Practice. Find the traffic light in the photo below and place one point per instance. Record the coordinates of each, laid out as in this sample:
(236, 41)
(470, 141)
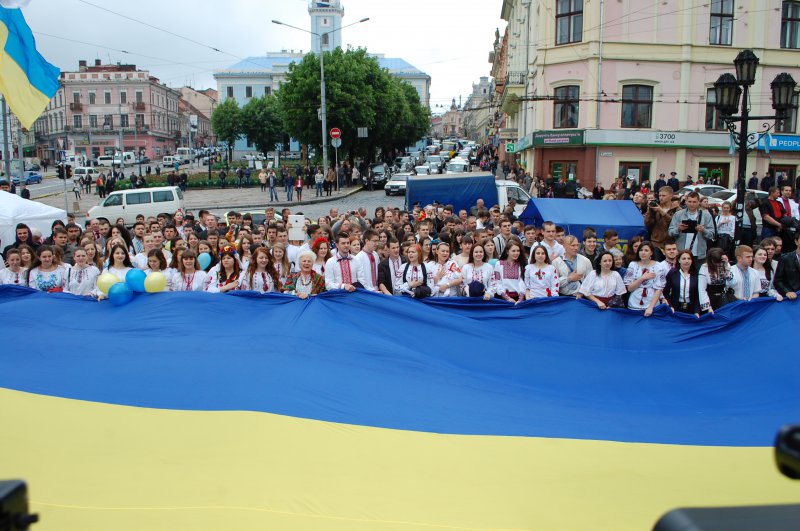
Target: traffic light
(61, 172)
(69, 171)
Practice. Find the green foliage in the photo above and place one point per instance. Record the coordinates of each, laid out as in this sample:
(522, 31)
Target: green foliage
(227, 122)
(359, 94)
(261, 122)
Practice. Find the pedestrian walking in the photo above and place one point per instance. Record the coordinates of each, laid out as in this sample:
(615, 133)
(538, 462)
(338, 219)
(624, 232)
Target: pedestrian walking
(222, 177)
(288, 184)
(330, 179)
(247, 174)
(262, 178)
(76, 188)
(239, 177)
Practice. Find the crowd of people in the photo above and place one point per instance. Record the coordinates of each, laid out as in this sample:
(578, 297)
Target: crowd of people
(428, 252)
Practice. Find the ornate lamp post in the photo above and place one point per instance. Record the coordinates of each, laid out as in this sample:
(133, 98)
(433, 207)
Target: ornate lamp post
(731, 92)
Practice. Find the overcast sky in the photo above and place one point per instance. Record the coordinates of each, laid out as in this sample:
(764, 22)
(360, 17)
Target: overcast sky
(448, 39)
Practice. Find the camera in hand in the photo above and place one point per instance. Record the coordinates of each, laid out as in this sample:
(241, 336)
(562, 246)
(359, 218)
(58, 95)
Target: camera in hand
(653, 203)
(691, 226)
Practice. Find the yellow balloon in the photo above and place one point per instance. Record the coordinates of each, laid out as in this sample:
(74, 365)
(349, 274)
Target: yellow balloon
(106, 280)
(155, 282)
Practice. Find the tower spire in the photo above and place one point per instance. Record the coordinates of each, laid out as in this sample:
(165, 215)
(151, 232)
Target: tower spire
(326, 20)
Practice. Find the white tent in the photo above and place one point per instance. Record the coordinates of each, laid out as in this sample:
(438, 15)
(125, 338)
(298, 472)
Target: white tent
(14, 209)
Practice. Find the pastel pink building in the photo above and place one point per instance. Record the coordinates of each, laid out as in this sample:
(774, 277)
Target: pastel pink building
(602, 89)
(102, 107)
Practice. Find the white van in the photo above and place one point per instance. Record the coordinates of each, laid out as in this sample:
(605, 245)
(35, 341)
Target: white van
(127, 204)
(169, 161)
(82, 171)
(105, 160)
(127, 158)
(184, 154)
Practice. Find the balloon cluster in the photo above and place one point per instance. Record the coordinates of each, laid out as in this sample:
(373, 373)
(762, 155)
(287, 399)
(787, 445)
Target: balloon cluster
(121, 293)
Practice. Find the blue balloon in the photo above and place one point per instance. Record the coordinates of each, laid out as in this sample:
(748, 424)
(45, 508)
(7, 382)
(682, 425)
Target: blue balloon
(135, 280)
(120, 294)
(204, 259)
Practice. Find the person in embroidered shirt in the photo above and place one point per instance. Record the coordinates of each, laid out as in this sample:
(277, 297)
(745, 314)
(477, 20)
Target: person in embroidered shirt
(225, 276)
(509, 273)
(554, 249)
(305, 282)
(368, 260)
(645, 279)
(445, 272)
(746, 283)
(189, 276)
(541, 278)
(477, 274)
(415, 278)
(603, 286)
(261, 275)
(341, 271)
(390, 270)
(572, 268)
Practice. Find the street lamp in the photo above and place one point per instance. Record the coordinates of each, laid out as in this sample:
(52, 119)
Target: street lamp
(731, 92)
(323, 111)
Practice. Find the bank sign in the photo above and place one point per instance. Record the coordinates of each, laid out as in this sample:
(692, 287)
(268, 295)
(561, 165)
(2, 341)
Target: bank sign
(558, 138)
(780, 142)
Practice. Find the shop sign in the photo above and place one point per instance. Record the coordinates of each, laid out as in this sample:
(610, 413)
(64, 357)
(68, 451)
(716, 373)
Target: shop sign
(780, 142)
(556, 138)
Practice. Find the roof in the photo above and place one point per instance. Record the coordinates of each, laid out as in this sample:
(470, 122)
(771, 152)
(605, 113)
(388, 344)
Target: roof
(268, 63)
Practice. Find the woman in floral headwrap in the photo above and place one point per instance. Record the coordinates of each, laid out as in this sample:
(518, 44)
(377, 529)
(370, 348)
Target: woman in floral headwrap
(226, 275)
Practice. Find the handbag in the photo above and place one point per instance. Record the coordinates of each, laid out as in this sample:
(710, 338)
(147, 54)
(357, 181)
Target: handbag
(420, 292)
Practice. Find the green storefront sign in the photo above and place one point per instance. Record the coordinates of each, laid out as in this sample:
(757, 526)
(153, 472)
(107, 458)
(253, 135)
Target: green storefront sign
(568, 137)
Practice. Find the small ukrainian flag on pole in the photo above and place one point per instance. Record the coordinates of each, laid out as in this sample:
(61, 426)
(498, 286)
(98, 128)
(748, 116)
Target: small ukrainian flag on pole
(27, 80)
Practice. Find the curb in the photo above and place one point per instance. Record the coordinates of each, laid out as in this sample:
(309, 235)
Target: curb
(283, 204)
(260, 205)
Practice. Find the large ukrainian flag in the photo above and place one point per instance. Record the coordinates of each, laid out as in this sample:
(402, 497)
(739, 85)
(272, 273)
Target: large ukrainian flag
(195, 411)
(27, 80)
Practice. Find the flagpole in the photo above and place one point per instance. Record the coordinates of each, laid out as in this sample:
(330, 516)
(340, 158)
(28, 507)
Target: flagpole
(6, 154)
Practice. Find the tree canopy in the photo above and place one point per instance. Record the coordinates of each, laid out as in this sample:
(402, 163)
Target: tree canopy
(261, 122)
(359, 93)
(227, 122)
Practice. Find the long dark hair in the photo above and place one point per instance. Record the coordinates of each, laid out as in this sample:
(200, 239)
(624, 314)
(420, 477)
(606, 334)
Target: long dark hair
(520, 261)
(126, 261)
(271, 271)
(597, 267)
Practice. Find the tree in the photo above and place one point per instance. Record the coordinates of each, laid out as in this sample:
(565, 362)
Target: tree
(359, 93)
(227, 123)
(262, 123)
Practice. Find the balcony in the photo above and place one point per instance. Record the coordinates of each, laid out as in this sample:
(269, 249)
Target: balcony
(76, 106)
(138, 106)
(512, 92)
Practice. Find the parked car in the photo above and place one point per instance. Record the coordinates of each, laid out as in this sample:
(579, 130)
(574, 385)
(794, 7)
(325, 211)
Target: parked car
(380, 171)
(33, 167)
(143, 160)
(703, 189)
(422, 170)
(730, 196)
(397, 184)
(30, 177)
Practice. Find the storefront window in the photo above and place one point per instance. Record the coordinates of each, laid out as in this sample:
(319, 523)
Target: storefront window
(640, 171)
(564, 169)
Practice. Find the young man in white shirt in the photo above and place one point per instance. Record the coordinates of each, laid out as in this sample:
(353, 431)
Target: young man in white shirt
(390, 271)
(292, 251)
(554, 249)
(341, 270)
(368, 260)
(572, 268)
(670, 255)
(501, 240)
(746, 283)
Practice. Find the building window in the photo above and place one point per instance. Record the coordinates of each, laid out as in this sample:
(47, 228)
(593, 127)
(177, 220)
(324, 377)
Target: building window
(713, 118)
(789, 125)
(565, 107)
(139, 96)
(639, 171)
(790, 24)
(267, 91)
(248, 92)
(140, 120)
(721, 22)
(569, 21)
(229, 92)
(76, 97)
(77, 121)
(123, 97)
(123, 120)
(92, 120)
(637, 106)
(108, 121)
(107, 97)
(92, 98)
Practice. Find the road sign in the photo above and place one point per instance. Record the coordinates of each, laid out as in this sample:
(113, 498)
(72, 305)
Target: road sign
(336, 132)
(336, 142)
(510, 147)
(362, 132)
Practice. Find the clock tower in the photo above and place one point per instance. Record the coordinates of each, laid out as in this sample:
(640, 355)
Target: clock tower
(326, 17)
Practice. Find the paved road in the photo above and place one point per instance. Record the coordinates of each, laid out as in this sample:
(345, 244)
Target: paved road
(249, 199)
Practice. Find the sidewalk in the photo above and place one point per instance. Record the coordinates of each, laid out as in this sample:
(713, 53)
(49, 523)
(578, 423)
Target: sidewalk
(213, 199)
